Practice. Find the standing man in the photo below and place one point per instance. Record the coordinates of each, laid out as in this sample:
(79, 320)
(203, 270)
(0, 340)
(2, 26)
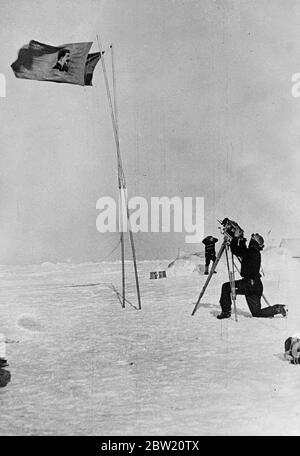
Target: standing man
(210, 251)
(250, 285)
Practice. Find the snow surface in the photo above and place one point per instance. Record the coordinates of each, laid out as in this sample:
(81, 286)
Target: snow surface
(292, 245)
(85, 366)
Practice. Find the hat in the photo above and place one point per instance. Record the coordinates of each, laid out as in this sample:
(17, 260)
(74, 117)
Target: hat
(258, 239)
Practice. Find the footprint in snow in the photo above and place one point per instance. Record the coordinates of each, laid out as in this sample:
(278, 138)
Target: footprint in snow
(30, 324)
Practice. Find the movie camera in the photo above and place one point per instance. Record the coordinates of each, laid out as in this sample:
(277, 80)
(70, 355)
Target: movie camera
(230, 229)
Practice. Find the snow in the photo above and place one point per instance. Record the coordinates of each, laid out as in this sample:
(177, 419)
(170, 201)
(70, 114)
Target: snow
(292, 245)
(85, 366)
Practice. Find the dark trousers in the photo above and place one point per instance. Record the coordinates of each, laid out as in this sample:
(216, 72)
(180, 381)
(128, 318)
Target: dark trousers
(252, 290)
(209, 257)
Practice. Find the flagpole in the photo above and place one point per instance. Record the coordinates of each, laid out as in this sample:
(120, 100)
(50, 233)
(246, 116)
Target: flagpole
(124, 187)
(114, 86)
(122, 184)
(119, 180)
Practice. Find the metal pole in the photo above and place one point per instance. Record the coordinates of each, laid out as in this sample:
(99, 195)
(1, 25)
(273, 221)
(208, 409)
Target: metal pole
(232, 284)
(120, 169)
(209, 276)
(120, 180)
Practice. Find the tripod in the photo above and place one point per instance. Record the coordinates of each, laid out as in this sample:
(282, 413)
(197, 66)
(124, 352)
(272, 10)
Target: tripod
(230, 268)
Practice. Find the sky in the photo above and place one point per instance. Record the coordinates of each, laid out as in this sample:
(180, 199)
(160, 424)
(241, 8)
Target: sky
(205, 108)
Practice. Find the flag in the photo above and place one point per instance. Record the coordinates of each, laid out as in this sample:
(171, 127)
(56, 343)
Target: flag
(70, 63)
(91, 62)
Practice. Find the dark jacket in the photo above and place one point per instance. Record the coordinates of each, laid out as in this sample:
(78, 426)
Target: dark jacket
(250, 258)
(209, 243)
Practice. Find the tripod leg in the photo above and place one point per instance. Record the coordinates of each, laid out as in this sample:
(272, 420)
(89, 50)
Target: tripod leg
(266, 301)
(232, 282)
(209, 276)
(233, 291)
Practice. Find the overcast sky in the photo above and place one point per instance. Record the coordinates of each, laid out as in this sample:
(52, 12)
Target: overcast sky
(205, 109)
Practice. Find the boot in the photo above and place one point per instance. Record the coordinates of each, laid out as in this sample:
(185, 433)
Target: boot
(206, 270)
(280, 309)
(224, 315)
(3, 363)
